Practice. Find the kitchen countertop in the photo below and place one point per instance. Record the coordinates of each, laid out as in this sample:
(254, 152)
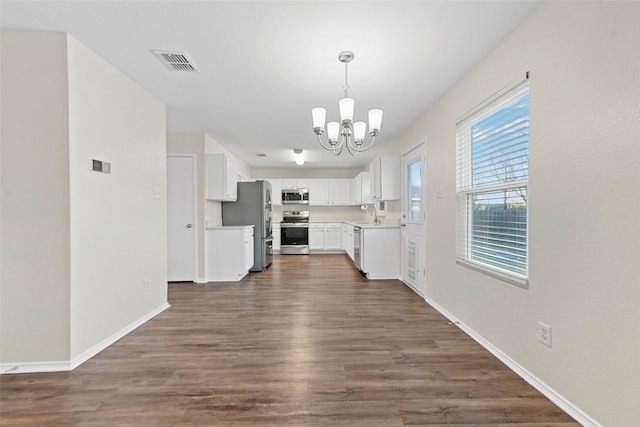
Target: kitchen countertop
(372, 225)
(228, 227)
(362, 224)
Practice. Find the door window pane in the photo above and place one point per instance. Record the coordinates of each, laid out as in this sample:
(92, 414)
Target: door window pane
(414, 192)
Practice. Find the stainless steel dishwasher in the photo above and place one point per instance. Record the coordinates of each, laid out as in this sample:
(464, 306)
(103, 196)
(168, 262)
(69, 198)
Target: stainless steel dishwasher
(357, 247)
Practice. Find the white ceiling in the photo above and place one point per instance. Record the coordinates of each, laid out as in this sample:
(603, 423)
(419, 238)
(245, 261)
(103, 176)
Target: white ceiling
(263, 65)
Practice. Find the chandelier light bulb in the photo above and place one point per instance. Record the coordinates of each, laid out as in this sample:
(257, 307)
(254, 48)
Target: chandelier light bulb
(299, 156)
(319, 115)
(375, 120)
(346, 109)
(346, 133)
(333, 132)
(359, 129)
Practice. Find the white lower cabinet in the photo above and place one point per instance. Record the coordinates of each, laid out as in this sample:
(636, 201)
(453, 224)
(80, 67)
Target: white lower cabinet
(325, 236)
(347, 239)
(316, 236)
(381, 252)
(275, 229)
(332, 236)
(229, 253)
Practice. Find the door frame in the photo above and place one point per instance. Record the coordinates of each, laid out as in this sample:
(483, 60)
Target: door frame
(422, 254)
(194, 180)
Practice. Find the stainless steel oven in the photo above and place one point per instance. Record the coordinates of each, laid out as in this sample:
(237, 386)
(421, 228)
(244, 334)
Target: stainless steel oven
(294, 233)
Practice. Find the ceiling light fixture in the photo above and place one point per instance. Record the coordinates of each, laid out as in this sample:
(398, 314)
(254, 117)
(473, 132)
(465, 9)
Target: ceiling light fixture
(299, 156)
(351, 134)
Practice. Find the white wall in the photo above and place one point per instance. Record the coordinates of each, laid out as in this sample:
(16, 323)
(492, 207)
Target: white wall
(584, 59)
(34, 288)
(76, 244)
(118, 229)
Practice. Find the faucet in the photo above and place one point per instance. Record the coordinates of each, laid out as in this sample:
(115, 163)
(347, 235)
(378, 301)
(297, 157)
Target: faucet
(376, 220)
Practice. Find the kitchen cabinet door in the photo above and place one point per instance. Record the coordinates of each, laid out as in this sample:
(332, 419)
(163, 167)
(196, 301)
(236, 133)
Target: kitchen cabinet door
(222, 178)
(385, 178)
(276, 191)
(318, 191)
(275, 229)
(289, 183)
(333, 237)
(316, 237)
(248, 249)
(340, 192)
(361, 189)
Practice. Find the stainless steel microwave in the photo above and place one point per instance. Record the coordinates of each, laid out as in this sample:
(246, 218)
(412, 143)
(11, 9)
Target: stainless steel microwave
(297, 196)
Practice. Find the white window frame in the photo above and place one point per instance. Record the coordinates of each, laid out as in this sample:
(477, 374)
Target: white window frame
(466, 189)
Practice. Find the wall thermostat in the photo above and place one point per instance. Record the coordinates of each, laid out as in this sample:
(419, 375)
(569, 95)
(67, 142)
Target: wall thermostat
(100, 166)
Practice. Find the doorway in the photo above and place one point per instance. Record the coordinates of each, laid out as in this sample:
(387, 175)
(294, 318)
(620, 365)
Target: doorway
(181, 218)
(414, 219)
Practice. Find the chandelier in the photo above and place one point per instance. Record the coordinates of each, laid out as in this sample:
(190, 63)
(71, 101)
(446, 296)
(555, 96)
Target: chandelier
(346, 133)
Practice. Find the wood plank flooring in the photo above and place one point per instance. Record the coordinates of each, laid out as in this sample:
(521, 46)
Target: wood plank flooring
(309, 342)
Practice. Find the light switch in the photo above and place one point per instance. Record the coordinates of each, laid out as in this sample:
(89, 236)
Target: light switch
(157, 193)
(439, 194)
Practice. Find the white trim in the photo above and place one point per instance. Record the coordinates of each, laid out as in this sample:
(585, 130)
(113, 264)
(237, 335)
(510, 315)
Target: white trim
(564, 404)
(421, 148)
(496, 273)
(33, 367)
(36, 367)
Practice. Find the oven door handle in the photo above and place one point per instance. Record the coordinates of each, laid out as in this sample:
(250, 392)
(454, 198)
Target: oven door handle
(294, 225)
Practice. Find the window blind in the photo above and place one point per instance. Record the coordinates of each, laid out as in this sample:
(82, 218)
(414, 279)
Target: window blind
(492, 170)
(492, 142)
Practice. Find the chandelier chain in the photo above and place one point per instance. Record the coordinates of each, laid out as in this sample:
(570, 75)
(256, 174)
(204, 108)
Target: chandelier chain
(346, 82)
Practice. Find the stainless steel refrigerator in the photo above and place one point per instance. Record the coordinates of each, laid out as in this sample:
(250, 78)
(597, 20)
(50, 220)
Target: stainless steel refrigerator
(253, 207)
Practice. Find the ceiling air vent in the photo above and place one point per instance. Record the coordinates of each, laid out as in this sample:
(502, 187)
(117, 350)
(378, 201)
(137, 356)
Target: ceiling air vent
(175, 61)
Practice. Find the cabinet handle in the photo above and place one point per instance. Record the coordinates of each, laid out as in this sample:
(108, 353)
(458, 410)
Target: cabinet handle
(189, 225)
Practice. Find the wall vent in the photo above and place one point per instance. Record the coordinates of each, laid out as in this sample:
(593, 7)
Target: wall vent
(175, 61)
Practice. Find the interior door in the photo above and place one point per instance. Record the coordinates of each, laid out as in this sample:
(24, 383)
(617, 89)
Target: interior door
(413, 219)
(181, 218)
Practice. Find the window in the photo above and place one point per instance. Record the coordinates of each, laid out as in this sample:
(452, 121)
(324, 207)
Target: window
(492, 175)
(414, 192)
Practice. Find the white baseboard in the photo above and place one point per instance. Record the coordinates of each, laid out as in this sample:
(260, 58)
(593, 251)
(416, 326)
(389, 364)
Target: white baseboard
(35, 367)
(564, 404)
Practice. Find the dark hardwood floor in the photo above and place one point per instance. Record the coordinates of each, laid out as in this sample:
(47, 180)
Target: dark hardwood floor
(307, 343)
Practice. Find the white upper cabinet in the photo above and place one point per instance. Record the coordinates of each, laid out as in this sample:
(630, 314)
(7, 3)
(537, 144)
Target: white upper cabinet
(222, 178)
(318, 191)
(361, 189)
(288, 183)
(276, 191)
(385, 178)
(328, 192)
(340, 192)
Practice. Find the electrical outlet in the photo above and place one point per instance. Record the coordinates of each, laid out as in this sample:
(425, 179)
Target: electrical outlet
(146, 285)
(544, 334)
